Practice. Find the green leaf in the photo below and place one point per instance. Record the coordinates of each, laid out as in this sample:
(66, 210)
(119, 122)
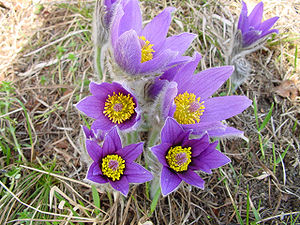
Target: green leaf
(96, 198)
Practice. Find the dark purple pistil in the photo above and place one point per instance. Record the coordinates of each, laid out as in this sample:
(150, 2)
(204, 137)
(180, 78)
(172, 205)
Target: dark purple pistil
(113, 164)
(118, 107)
(181, 158)
(194, 106)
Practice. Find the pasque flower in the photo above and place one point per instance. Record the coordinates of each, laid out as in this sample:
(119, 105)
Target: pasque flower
(141, 51)
(187, 99)
(181, 157)
(115, 164)
(252, 27)
(109, 8)
(110, 104)
(94, 135)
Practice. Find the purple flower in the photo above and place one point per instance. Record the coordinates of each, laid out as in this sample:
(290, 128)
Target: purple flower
(109, 10)
(251, 26)
(140, 51)
(94, 135)
(181, 156)
(114, 164)
(187, 99)
(109, 4)
(110, 105)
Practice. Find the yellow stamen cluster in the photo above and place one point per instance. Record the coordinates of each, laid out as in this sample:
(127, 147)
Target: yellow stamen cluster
(146, 49)
(119, 107)
(188, 108)
(113, 166)
(179, 158)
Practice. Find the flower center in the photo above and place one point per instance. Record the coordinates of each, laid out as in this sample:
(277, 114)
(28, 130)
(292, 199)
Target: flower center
(113, 166)
(179, 158)
(188, 108)
(119, 107)
(146, 49)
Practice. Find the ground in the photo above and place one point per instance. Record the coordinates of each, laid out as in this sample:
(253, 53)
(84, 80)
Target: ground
(46, 65)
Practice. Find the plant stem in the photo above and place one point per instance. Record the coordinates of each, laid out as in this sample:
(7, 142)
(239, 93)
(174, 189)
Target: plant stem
(98, 62)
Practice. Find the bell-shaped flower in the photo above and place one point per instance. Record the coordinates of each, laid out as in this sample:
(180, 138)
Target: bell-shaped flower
(181, 157)
(115, 164)
(252, 27)
(145, 50)
(109, 11)
(110, 104)
(187, 99)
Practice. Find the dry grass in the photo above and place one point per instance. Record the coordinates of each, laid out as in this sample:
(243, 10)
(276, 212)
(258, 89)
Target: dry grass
(48, 58)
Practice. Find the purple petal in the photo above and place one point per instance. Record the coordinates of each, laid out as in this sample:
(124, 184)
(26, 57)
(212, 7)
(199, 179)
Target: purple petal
(188, 69)
(128, 52)
(131, 152)
(109, 4)
(268, 32)
(156, 31)
(97, 170)
(172, 132)
(135, 173)
(94, 150)
(170, 73)
(179, 43)
(160, 151)
(192, 178)
(101, 91)
(169, 95)
(243, 20)
(255, 16)
(112, 142)
(114, 31)
(169, 181)
(133, 120)
(157, 87)
(158, 63)
(205, 83)
(102, 123)
(226, 133)
(197, 145)
(98, 179)
(250, 37)
(91, 106)
(132, 18)
(209, 159)
(200, 128)
(179, 59)
(87, 132)
(121, 185)
(266, 25)
(221, 108)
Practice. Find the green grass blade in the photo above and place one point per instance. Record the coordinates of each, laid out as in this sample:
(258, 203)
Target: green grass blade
(248, 205)
(261, 145)
(154, 201)
(266, 120)
(256, 214)
(255, 112)
(274, 159)
(283, 155)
